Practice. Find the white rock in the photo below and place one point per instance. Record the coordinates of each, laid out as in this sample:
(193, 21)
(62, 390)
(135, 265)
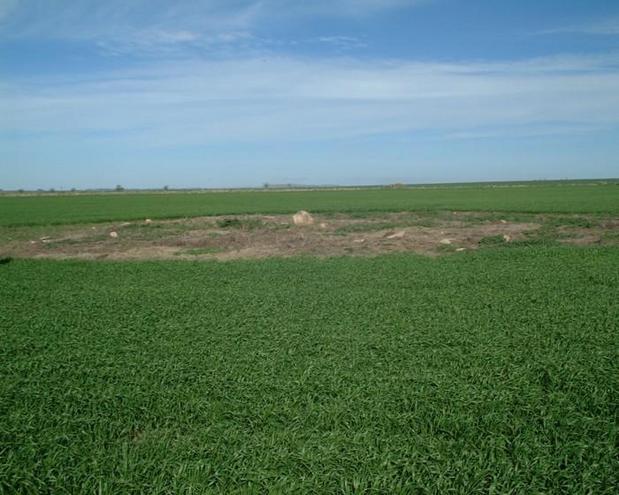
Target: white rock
(323, 225)
(503, 221)
(358, 241)
(396, 235)
(507, 238)
(302, 218)
(446, 242)
(114, 235)
(148, 220)
(459, 250)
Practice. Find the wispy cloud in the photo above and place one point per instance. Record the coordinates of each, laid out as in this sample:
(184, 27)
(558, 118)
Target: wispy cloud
(136, 27)
(162, 27)
(342, 42)
(248, 94)
(94, 19)
(179, 44)
(287, 99)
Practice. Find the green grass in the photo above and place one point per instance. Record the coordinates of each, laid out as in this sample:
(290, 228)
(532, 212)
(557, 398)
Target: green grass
(362, 227)
(240, 223)
(63, 209)
(487, 372)
(199, 251)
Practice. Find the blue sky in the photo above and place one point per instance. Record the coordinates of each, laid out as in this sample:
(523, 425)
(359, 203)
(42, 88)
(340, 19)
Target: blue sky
(218, 93)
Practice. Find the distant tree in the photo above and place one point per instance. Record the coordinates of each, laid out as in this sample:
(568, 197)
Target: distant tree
(73, 189)
(20, 190)
(51, 189)
(265, 185)
(119, 188)
(166, 188)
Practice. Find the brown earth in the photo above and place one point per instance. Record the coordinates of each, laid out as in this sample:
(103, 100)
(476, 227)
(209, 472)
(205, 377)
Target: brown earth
(261, 236)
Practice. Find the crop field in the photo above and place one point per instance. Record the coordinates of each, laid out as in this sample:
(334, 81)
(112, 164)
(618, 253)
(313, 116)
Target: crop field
(552, 198)
(415, 340)
(487, 372)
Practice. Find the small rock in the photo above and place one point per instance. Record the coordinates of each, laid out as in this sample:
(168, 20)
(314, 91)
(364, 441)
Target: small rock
(459, 250)
(396, 235)
(302, 218)
(446, 242)
(507, 238)
(114, 235)
(45, 238)
(503, 221)
(125, 224)
(33, 242)
(148, 220)
(323, 225)
(359, 241)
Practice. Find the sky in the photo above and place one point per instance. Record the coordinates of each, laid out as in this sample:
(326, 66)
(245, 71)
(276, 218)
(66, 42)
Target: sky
(238, 93)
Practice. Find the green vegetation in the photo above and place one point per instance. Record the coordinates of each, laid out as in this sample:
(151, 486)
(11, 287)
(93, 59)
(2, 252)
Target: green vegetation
(536, 238)
(240, 223)
(63, 209)
(477, 372)
(198, 251)
(493, 241)
(367, 227)
(487, 372)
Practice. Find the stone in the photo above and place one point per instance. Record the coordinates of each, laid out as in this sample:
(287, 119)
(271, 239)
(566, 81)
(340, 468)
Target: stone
(302, 218)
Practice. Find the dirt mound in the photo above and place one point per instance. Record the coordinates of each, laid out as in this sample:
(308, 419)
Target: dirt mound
(261, 236)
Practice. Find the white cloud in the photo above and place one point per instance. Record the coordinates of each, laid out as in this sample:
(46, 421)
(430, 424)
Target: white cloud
(117, 19)
(341, 42)
(167, 28)
(175, 29)
(129, 21)
(285, 99)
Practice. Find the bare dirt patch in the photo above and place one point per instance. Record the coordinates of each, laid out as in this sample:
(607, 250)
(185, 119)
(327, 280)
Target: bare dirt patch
(261, 236)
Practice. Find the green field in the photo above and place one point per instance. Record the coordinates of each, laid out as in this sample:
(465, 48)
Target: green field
(487, 372)
(535, 197)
